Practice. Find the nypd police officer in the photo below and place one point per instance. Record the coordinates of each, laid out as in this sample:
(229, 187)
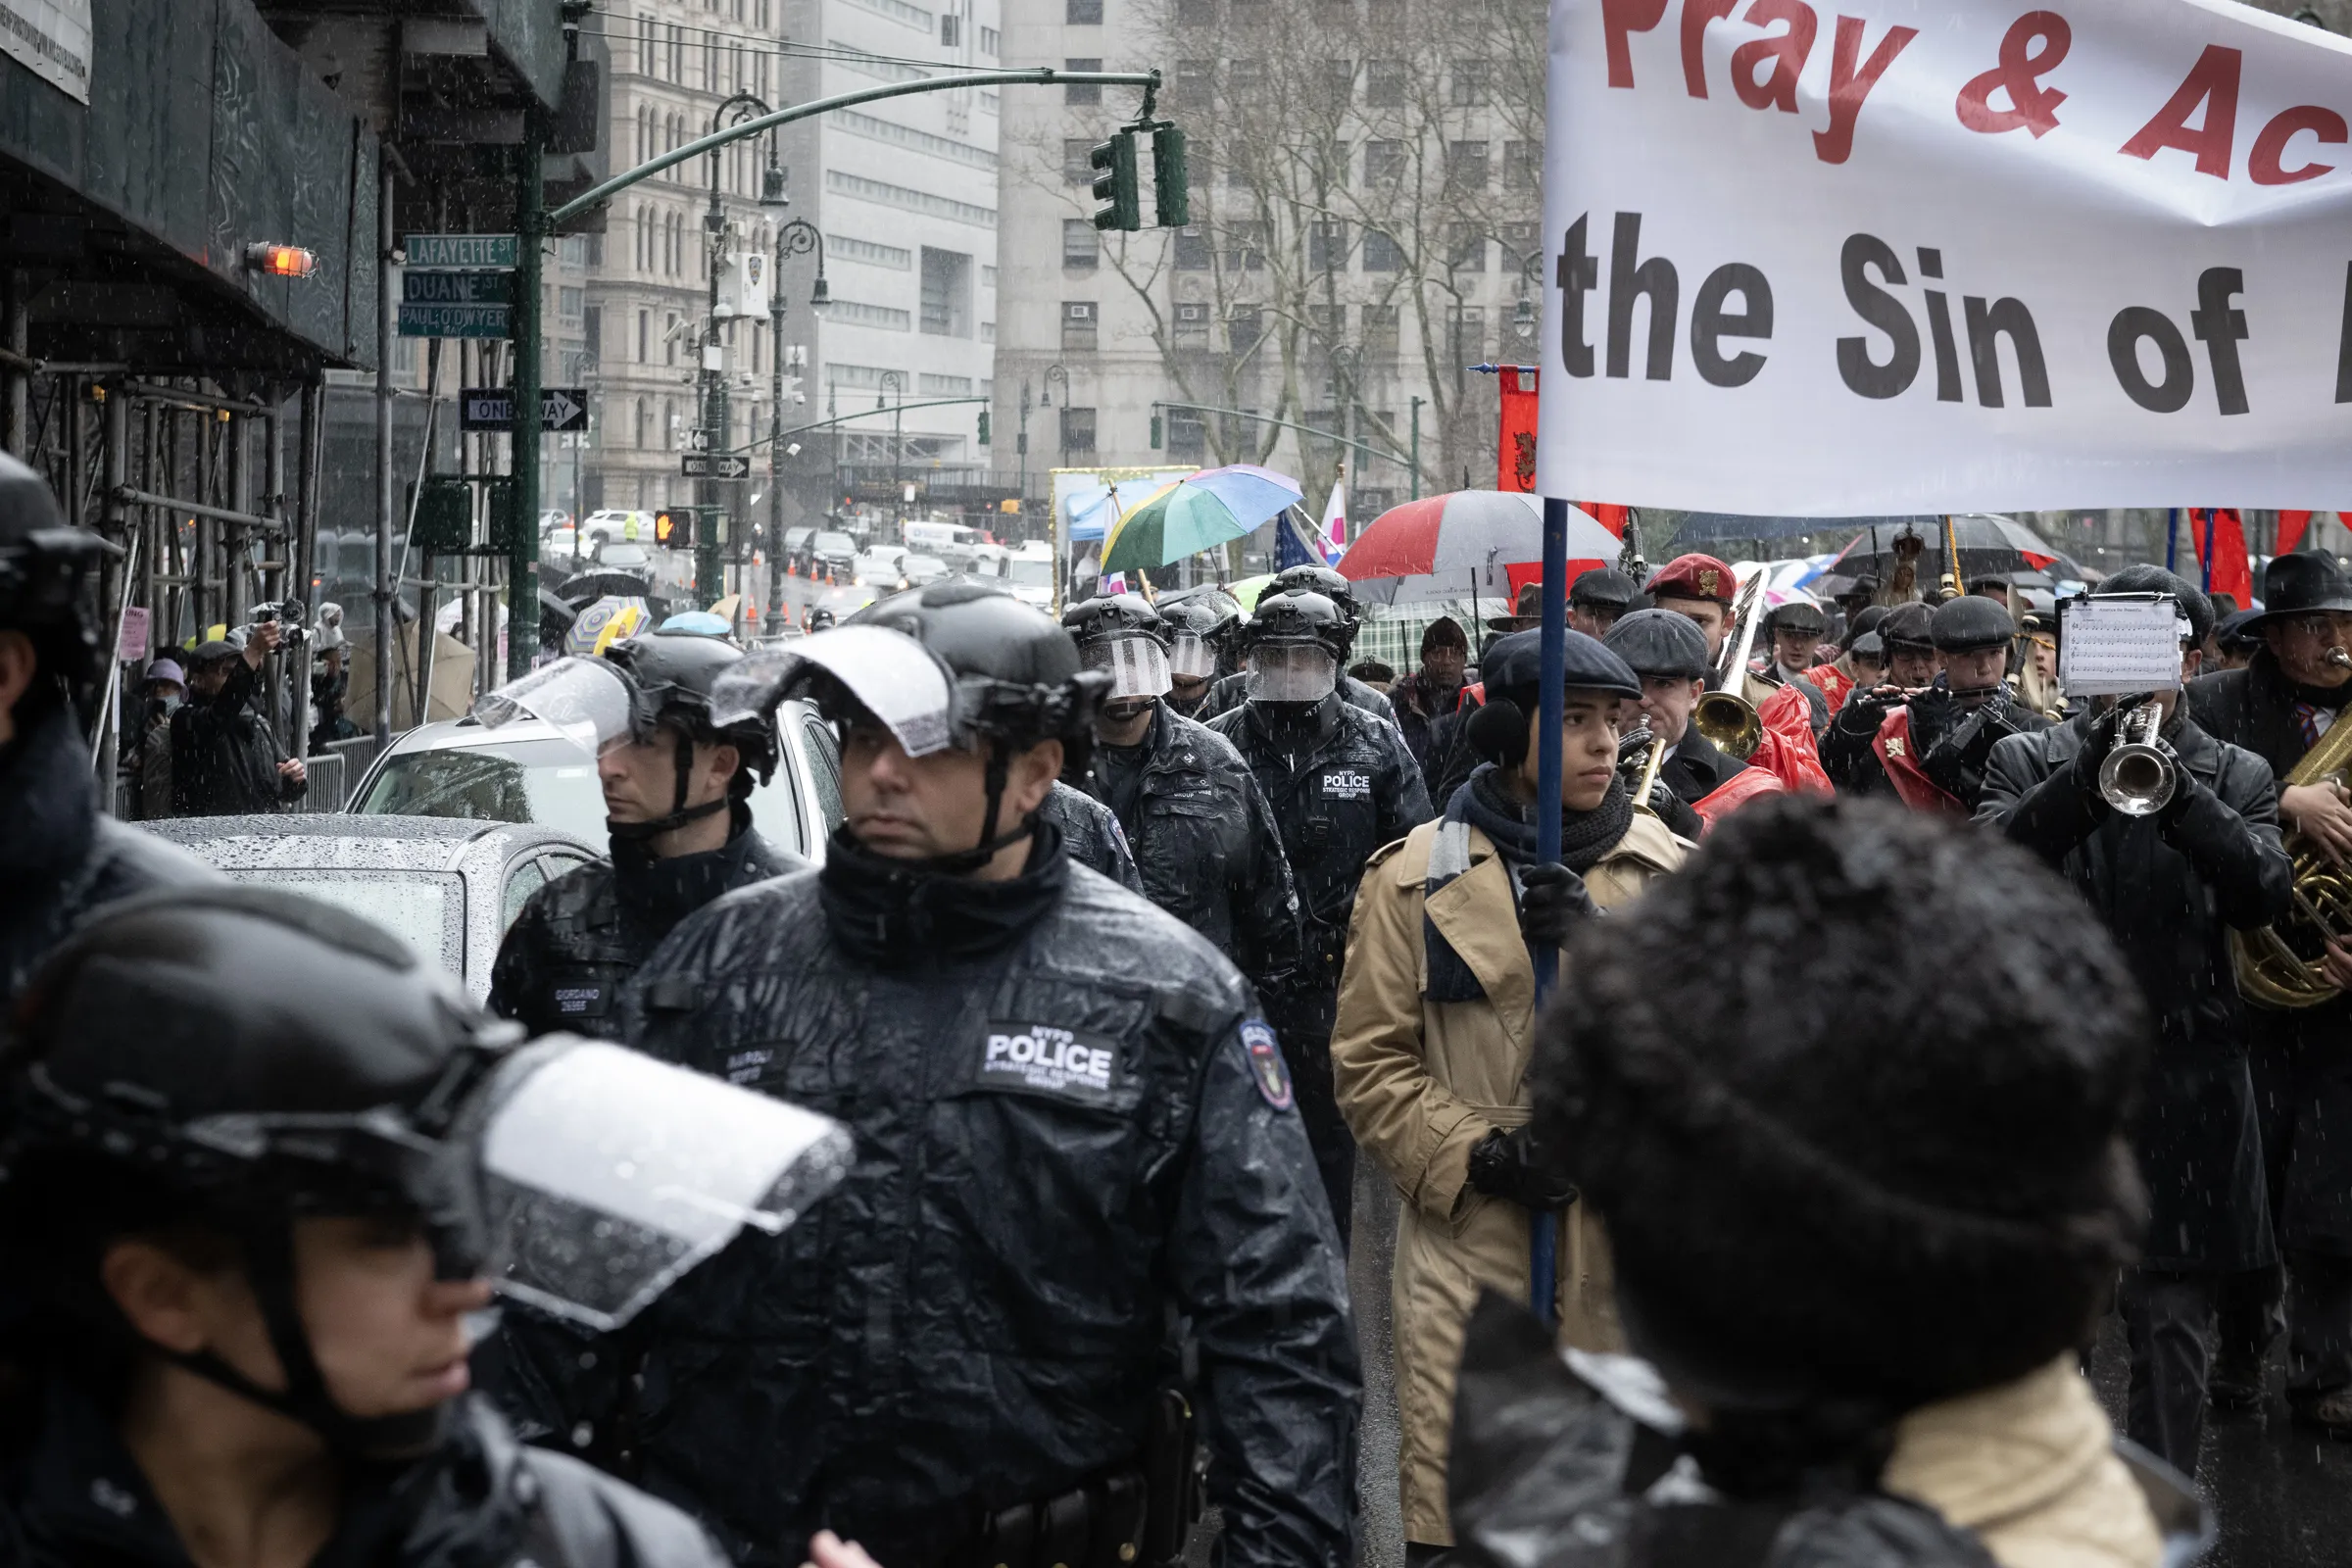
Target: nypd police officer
(59, 856)
(1342, 784)
(676, 789)
(1072, 1128)
(1234, 690)
(1205, 840)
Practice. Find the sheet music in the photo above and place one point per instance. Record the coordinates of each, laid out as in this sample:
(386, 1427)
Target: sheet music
(2118, 645)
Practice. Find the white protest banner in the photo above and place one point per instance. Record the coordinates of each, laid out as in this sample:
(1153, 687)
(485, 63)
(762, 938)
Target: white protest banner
(1894, 255)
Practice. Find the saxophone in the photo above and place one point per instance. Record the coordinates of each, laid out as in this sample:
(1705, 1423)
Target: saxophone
(2278, 966)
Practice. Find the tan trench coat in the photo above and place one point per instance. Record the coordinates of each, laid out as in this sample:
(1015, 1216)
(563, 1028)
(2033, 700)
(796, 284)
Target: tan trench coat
(1421, 1083)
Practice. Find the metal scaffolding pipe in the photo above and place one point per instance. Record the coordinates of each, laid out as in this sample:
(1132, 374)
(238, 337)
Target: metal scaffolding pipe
(197, 509)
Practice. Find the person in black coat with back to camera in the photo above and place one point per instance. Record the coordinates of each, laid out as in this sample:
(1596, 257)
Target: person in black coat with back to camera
(2171, 884)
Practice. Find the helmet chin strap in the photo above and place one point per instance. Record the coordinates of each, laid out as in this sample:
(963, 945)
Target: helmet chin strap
(680, 814)
(964, 862)
(269, 1267)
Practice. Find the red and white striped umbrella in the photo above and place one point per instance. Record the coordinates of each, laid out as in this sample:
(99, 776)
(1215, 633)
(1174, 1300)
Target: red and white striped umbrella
(1468, 544)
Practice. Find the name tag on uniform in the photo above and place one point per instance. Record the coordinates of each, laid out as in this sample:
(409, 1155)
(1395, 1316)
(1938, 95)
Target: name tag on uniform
(1042, 1060)
(1347, 784)
(580, 1001)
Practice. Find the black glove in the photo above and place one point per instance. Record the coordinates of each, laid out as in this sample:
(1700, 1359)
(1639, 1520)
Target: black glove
(1956, 762)
(1671, 810)
(1865, 711)
(1512, 1166)
(1633, 758)
(1552, 899)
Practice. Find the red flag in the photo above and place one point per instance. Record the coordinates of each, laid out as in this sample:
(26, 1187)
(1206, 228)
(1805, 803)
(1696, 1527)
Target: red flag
(1515, 461)
(2290, 531)
(2227, 572)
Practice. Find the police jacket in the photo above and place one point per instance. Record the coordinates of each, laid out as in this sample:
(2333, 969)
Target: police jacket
(74, 1499)
(1697, 769)
(224, 755)
(2169, 888)
(1229, 692)
(579, 937)
(1090, 835)
(60, 858)
(1070, 1126)
(1208, 850)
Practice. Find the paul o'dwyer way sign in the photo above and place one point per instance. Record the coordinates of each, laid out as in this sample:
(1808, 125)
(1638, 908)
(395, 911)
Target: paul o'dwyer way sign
(1898, 256)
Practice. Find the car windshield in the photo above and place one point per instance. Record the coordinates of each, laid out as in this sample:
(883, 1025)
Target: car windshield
(624, 555)
(910, 565)
(546, 781)
(835, 544)
(427, 910)
(1030, 573)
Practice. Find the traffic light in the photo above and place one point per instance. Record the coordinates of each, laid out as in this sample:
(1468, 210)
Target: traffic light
(674, 530)
(1156, 429)
(1114, 183)
(984, 427)
(1171, 183)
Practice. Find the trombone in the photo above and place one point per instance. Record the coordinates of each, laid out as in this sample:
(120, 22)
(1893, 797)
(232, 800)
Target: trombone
(1728, 719)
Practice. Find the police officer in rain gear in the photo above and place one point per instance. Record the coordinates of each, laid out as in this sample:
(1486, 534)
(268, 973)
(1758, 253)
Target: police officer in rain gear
(1073, 1126)
(59, 856)
(1205, 840)
(1199, 627)
(1234, 690)
(1342, 784)
(251, 1232)
(677, 787)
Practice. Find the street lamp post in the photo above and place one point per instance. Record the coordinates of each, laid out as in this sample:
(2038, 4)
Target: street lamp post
(796, 238)
(1057, 371)
(1021, 444)
(894, 381)
(707, 582)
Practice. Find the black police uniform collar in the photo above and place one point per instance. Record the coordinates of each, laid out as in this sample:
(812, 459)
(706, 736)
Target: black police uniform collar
(660, 891)
(48, 811)
(904, 915)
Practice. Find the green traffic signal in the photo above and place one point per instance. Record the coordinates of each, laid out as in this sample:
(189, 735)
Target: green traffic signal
(1156, 431)
(1171, 183)
(1115, 184)
(984, 427)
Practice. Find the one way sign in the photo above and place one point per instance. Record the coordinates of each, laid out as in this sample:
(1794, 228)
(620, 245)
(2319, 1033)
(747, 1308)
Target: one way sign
(492, 407)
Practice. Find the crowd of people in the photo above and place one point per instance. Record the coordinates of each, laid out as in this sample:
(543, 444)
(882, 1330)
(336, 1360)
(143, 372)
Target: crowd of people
(982, 1197)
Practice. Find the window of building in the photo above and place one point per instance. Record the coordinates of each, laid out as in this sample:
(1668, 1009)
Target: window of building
(644, 133)
(1195, 13)
(1081, 245)
(646, 62)
(1338, 79)
(947, 293)
(645, 337)
(1380, 329)
(1192, 324)
(992, 42)
(1074, 166)
(1245, 246)
(645, 239)
(569, 302)
(1247, 79)
(1245, 325)
(1466, 165)
(1077, 425)
(1192, 249)
(1079, 319)
(1470, 83)
(1082, 93)
(1083, 13)
(1188, 436)
(1327, 245)
(1521, 165)
(1466, 333)
(1381, 253)
(644, 425)
(1329, 323)
(1384, 83)
(1384, 163)
(670, 339)
(1519, 246)
(677, 53)
(1195, 163)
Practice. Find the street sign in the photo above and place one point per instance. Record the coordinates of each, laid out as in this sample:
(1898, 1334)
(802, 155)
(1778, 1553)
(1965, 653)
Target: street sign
(463, 250)
(715, 465)
(419, 287)
(454, 320)
(492, 407)
(698, 439)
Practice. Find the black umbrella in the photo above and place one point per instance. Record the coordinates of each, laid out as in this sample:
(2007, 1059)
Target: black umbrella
(1989, 545)
(587, 587)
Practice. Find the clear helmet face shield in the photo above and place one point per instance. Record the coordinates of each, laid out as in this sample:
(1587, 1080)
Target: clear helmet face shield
(1137, 665)
(890, 674)
(607, 1174)
(586, 700)
(1191, 657)
(1291, 672)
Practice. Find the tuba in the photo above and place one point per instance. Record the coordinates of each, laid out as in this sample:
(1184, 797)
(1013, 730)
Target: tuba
(2278, 966)
(1726, 719)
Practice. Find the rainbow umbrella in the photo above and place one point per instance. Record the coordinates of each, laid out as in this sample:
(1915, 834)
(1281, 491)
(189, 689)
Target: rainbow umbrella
(1195, 513)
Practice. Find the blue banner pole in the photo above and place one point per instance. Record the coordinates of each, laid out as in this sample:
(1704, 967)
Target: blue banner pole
(2171, 537)
(1544, 1261)
(2209, 512)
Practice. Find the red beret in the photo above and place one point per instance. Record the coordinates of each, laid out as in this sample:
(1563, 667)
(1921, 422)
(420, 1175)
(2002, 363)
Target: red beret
(1694, 576)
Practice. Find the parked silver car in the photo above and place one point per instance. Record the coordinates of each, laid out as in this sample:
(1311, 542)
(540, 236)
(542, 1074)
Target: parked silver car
(448, 888)
(525, 771)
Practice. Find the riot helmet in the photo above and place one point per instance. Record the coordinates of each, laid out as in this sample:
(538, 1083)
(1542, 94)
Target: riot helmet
(821, 620)
(1331, 586)
(1123, 636)
(162, 1076)
(1292, 648)
(629, 692)
(1196, 630)
(47, 576)
(946, 665)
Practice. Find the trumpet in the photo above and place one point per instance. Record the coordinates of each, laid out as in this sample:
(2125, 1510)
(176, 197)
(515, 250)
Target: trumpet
(2139, 775)
(1639, 787)
(2338, 657)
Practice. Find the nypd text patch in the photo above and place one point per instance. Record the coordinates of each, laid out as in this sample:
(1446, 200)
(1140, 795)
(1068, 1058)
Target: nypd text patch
(1044, 1059)
(1347, 784)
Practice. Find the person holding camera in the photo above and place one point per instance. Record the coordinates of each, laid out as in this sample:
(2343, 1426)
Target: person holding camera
(225, 758)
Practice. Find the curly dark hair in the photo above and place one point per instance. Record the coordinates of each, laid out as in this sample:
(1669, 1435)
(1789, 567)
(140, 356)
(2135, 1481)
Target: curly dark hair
(1851, 1093)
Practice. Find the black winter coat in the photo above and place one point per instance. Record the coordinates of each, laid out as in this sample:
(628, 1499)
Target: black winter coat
(1207, 851)
(2253, 708)
(580, 938)
(60, 857)
(1420, 708)
(2169, 888)
(74, 1498)
(1340, 785)
(1697, 769)
(979, 1315)
(224, 755)
(1092, 834)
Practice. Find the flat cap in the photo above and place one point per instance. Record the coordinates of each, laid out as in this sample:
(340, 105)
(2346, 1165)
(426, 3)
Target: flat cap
(1972, 621)
(1694, 576)
(206, 653)
(1659, 642)
(1799, 614)
(1866, 619)
(1604, 586)
(1870, 645)
(1516, 664)
(1908, 628)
